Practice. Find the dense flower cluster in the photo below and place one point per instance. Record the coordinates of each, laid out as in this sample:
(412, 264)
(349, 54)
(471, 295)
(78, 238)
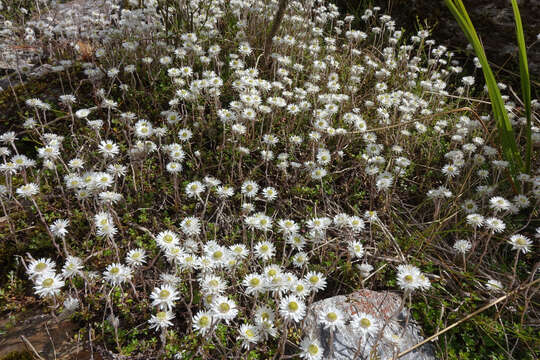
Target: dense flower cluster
(254, 170)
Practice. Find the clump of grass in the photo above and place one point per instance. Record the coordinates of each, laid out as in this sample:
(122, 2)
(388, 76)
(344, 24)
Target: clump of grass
(507, 138)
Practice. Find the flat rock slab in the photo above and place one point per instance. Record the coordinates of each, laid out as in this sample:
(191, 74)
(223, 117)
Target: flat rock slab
(347, 343)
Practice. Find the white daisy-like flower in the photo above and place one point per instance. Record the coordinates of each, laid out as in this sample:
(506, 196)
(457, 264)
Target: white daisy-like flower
(28, 190)
(194, 189)
(356, 224)
(224, 308)
(495, 225)
(76, 164)
(254, 284)
(174, 254)
(365, 323)
(239, 251)
(72, 267)
(297, 241)
(316, 280)
(521, 201)
(174, 167)
(265, 250)
(371, 216)
(185, 134)
(108, 149)
(462, 246)
(202, 322)
(48, 285)
(475, 220)
(161, 320)
(331, 318)
(498, 203)
(164, 297)
(520, 243)
(191, 226)
(59, 227)
(167, 239)
(71, 304)
(311, 349)
(225, 191)
(102, 180)
(300, 288)
(82, 113)
(292, 308)
(269, 193)
(117, 274)
(300, 259)
(41, 267)
(249, 334)
(249, 188)
(365, 269)
(469, 206)
(356, 249)
(136, 257)
(318, 173)
(213, 284)
(408, 277)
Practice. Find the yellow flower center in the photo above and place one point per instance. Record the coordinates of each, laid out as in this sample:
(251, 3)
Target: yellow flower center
(224, 307)
(47, 282)
(293, 306)
(313, 349)
(332, 316)
(204, 321)
(365, 322)
(162, 315)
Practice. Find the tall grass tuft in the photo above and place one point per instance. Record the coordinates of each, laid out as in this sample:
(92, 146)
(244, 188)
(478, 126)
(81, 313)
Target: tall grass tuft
(507, 137)
(525, 83)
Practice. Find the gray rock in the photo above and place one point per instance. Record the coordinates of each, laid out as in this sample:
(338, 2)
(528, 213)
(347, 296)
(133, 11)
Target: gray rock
(349, 344)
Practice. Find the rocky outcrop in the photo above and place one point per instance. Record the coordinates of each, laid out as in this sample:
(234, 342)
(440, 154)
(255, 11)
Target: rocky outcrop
(397, 331)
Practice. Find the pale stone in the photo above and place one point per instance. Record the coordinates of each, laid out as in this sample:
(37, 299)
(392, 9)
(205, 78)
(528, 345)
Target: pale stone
(349, 344)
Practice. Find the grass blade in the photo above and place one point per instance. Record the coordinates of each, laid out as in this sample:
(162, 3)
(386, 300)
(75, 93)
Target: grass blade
(525, 82)
(506, 133)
